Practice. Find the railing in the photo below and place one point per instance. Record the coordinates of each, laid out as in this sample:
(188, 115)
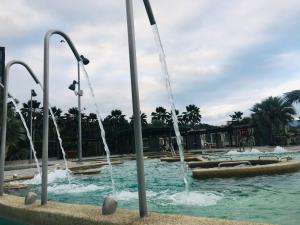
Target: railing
(286, 157)
(219, 156)
(234, 163)
(269, 156)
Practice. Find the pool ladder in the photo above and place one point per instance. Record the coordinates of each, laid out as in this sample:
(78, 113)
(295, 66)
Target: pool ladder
(234, 163)
(275, 156)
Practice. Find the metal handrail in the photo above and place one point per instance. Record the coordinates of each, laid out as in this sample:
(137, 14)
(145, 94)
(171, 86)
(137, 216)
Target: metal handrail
(234, 163)
(286, 157)
(221, 156)
(268, 156)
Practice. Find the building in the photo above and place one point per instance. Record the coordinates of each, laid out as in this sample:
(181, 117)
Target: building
(162, 139)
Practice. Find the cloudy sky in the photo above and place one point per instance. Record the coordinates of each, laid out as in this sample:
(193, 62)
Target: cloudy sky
(223, 56)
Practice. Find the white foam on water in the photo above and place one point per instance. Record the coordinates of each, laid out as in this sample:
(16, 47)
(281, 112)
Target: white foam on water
(57, 175)
(73, 188)
(246, 152)
(253, 151)
(279, 149)
(233, 152)
(126, 196)
(130, 196)
(192, 198)
(52, 177)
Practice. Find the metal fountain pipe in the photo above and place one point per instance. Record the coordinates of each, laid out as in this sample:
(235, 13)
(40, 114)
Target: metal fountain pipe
(149, 12)
(79, 115)
(4, 115)
(1, 85)
(136, 111)
(46, 106)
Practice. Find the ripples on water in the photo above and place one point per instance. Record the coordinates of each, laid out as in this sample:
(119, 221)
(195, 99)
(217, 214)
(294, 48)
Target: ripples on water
(272, 199)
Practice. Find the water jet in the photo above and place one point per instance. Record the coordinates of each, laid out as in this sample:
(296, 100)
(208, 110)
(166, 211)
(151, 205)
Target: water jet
(4, 118)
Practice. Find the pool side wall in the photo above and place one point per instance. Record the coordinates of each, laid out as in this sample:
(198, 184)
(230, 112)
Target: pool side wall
(12, 207)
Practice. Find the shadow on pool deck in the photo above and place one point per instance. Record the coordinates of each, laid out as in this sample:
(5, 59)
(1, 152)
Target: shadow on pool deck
(72, 214)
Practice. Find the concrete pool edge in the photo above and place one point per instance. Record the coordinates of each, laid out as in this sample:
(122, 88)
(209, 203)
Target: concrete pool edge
(13, 207)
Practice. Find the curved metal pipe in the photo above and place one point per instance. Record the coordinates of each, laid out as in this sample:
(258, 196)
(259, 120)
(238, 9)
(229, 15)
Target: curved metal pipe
(1, 85)
(4, 115)
(46, 106)
(66, 37)
(12, 62)
(149, 12)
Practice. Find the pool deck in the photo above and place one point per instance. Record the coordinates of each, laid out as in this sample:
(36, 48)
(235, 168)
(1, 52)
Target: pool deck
(13, 207)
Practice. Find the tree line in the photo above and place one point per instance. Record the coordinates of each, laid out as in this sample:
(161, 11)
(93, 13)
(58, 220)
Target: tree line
(17, 143)
(268, 117)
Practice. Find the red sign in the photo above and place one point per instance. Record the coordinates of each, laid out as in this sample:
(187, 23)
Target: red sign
(244, 132)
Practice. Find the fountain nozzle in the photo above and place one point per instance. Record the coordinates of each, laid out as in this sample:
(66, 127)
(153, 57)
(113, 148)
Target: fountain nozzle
(149, 12)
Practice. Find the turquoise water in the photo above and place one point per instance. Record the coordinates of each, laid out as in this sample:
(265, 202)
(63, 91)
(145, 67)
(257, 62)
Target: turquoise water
(271, 199)
(4, 221)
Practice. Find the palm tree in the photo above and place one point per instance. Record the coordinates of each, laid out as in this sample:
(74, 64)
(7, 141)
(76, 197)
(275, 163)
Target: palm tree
(192, 115)
(161, 115)
(169, 120)
(69, 124)
(237, 116)
(116, 119)
(113, 123)
(92, 118)
(73, 112)
(15, 130)
(270, 118)
(143, 120)
(36, 109)
(56, 112)
(292, 96)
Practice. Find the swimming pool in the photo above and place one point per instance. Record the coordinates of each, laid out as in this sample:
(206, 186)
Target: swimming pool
(4, 221)
(270, 199)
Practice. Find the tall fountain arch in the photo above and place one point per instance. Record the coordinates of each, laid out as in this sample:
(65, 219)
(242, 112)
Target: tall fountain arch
(4, 115)
(44, 196)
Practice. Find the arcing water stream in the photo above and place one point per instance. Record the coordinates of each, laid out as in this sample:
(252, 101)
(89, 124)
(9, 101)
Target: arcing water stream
(164, 68)
(59, 140)
(101, 128)
(60, 143)
(28, 135)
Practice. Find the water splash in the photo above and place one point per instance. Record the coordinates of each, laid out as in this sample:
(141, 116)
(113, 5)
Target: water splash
(279, 149)
(28, 135)
(246, 152)
(53, 177)
(164, 68)
(99, 119)
(59, 139)
(60, 143)
(73, 188)
(194, 199)
(129, 196)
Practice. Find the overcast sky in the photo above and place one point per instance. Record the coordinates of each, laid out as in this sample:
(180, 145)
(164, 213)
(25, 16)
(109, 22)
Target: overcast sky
(223, 56)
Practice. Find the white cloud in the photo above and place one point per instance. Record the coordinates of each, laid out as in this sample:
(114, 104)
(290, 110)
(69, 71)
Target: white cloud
(203, 41)
(18, 17)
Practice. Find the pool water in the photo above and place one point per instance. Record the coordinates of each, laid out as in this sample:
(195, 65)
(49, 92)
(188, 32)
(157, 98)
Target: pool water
(4, 221)
(269, 199)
